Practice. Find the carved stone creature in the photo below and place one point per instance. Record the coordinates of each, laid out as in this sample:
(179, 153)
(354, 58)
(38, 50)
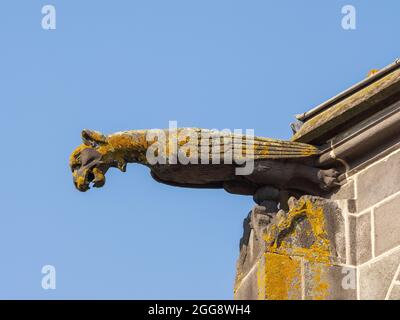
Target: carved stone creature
(278, 165)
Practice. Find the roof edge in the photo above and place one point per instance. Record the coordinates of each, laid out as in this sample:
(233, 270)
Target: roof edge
(348, 92)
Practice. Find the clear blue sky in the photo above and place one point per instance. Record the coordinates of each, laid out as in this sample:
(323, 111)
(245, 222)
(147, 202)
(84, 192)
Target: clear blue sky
(120, 65)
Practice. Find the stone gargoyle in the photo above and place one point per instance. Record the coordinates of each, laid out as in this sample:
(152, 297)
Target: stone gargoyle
(276, 165)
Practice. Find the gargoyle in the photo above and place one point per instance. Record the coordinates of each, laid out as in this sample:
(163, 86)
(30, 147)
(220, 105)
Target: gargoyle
(277, 165)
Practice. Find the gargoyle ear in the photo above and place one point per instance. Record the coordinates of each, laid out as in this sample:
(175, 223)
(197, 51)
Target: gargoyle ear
(93, 138)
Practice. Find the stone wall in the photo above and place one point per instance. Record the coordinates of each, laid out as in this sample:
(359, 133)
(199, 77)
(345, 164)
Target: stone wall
(343, 245)
(298, 254)
(358, 255)
(374, 229)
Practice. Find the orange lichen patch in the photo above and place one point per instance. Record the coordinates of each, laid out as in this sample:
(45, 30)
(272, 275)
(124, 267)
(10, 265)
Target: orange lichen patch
(126, 141)
(318, 284)
(319, 250)
(372, 72)
(125, 145)
(280, 279)
(74, 158)
(80, 180)
(366, 98)
(96, 136)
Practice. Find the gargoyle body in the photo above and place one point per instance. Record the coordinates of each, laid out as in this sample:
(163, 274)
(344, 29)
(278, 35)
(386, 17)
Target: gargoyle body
(277, 165)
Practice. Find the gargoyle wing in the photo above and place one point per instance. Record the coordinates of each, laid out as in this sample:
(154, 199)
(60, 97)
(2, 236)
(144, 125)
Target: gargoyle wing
(219, 143)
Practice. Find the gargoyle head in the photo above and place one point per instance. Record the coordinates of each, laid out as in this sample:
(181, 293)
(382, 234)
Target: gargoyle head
(88, 162)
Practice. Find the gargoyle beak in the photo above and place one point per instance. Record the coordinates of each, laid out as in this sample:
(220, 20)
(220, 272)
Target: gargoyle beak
(85, 176)
(82, 178)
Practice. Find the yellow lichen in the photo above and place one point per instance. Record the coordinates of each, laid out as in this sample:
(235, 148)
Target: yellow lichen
(372, 72)
(133, 145)
(280, 276)
(345, 109)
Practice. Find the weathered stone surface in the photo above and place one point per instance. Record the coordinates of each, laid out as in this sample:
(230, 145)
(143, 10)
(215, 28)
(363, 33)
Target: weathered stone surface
(387, 226)
(247, 288)
(376, 277)
(312, 234)
(375, 183)
(328, 121)
(323, 281)
(360, 238)
(306, 243)
(252, 243)
(346, 191)
(395, 294)
(294, 232)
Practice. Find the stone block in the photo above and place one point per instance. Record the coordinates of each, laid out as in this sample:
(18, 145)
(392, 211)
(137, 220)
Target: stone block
(360, 239)
(247, 288)
(387, 226)
(312, 226)
(323, 281)
(252, 244)
(395, 293)
(378, 182)
(312, 231)
(346, 191)
(376, 278)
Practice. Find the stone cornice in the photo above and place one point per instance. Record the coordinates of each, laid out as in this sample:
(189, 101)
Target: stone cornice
(349, 112)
